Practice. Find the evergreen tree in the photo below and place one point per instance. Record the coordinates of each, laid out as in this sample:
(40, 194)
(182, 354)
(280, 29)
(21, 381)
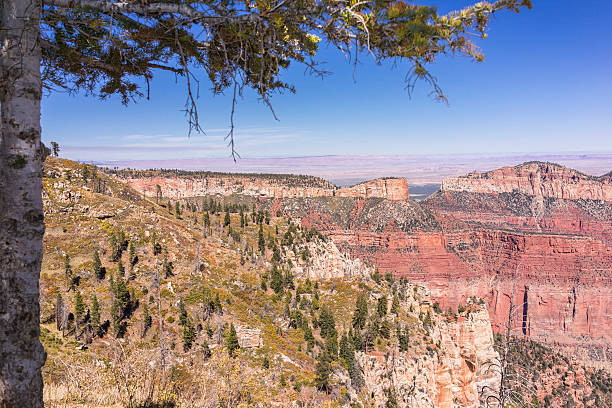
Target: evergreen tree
(116, 317)
(189, 335)
(206, 220)
(261, 242)
(241, 218)
(231, 341)
(177, 209)
(327, 322)
(361, 312)
(331, 345)
(182, 313)
(79, 306)
(227, 220)
(120, 269)
(147, 320)
(133, 259)
(276, 280)
(308, 336)
(95, 314)
(122, 296)
(347, 352)
(382, 306)
(376, 276)
(97, 265)
(218, 306)
(323, 371)
(395, 305)
(67, 268)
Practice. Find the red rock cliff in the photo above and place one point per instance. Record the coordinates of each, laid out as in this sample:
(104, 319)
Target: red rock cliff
(394, 189)
(535, 178)
(512, 233)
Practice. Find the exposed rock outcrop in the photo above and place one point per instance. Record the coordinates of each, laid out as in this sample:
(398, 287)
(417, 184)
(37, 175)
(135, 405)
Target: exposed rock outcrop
(325, 261)
(394, 189)
(534, 178)
(456, 372)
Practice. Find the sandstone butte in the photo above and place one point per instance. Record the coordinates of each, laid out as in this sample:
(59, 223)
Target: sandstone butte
(538, 234)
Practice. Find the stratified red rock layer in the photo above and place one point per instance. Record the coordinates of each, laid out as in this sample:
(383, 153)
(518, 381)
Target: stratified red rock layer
(551, 255)
(535, 178)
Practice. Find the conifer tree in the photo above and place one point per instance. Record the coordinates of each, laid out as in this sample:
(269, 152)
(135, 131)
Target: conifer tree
(189, 335)
(95, 314)
(177, 209)
(323, 371)
(218, 306)
(147, 320)
(231, 341)
(361, 312)
(133, 259)
(206, 220)
(327, 322)
(276, 280)
(347, 352)
(116, 317)
(241, 218)
(395, 304)
(261, 242)
(120, 269)
(67, 268)
(227, 220)
(382, 306)
(79, 306)
(183, 317)
(97, 265)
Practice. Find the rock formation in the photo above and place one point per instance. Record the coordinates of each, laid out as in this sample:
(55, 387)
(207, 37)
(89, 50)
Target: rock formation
(177, 185)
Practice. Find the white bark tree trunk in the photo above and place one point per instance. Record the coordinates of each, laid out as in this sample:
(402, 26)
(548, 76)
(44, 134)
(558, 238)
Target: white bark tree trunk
(21, 215)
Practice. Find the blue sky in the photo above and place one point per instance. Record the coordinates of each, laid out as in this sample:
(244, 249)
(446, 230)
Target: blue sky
(545, 86)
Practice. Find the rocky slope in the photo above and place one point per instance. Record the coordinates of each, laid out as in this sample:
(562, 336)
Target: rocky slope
(169, 286)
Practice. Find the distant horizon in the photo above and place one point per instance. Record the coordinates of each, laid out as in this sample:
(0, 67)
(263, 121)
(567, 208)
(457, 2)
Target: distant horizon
(344, 170)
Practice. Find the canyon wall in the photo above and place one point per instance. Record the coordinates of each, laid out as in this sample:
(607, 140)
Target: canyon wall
(178, 186)
(535, 178)
(550, 254)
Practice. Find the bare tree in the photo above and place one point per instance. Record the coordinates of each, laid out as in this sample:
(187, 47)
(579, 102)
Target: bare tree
(514, 378)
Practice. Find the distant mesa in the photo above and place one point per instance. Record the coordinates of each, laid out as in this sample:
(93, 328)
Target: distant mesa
(177, 184)
(535, 178)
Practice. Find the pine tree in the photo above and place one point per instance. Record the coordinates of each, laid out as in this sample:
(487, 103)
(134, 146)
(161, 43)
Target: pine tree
(147, 320)
(395, 305)
(116, 317)
(227, 220)
(361, 312)
(331, 345)
(241, 218)
(206, 220)
(79, 306)
(347, 352)
(231, 341)
(132, 254)
(120, 268)
(182, 313)
(261, 242)
(218, 306)
(97, 265)
(276, 280)
(67, 268)
(122, 296)
(382, 305)
(177, 209)
(189, 335)
(323, 371)
(327, 322)
(95, 314)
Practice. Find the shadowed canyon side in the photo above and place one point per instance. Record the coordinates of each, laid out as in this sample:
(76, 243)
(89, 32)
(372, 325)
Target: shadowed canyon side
(538, 233)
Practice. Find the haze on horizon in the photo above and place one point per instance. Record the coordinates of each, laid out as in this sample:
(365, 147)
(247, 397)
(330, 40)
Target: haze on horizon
(542, 88)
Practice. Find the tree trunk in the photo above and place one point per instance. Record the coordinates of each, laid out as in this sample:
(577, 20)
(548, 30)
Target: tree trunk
(21, 215)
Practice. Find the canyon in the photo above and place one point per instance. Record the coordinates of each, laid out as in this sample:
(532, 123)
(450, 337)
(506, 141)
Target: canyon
(536, 237)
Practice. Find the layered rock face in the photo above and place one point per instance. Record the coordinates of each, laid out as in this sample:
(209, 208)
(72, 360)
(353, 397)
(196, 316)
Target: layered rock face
(459, 374)
(178, 186)
(537, 179)
(394, 189)
(550, 254)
